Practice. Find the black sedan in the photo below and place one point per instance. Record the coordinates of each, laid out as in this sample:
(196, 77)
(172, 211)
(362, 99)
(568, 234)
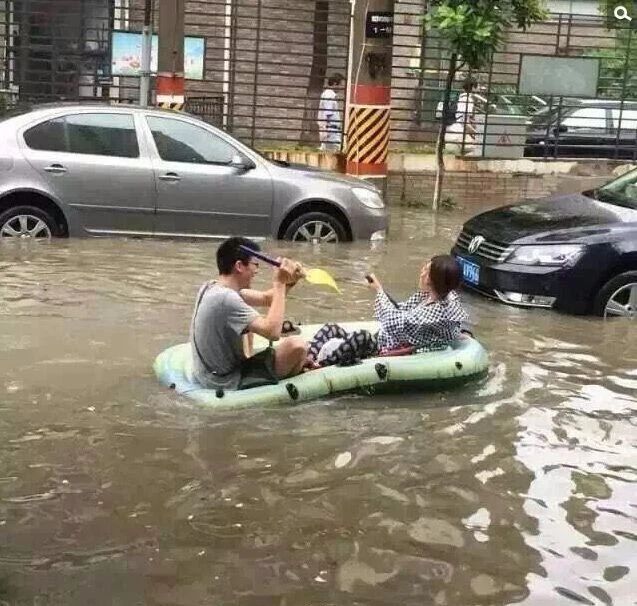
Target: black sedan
(576, 253)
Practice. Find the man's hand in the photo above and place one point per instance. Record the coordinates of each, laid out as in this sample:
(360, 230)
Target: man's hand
(299, 272)
(286, 273)
(373, 283)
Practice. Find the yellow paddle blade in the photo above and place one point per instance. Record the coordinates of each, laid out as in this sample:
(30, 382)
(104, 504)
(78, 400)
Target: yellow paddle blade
(320, 276)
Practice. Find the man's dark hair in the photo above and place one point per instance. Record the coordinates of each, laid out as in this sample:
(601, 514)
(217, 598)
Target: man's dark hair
(469, 84)
(229, 253)
(444, 274)
(335, 79)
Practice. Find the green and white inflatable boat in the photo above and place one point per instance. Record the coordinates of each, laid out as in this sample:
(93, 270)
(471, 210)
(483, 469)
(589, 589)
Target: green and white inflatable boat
(463, 361)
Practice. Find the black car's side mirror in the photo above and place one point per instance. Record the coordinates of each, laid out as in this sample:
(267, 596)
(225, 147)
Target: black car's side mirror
(560, 129)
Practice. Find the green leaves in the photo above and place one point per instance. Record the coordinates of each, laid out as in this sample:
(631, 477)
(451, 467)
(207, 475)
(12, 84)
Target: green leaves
(475, 28)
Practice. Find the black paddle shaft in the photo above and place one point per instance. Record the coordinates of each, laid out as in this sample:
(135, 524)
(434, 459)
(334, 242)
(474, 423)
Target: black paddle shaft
(260, 255)
(391, 299)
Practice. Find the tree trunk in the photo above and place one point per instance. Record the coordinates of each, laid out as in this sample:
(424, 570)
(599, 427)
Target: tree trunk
(440, 144)
(318, 70)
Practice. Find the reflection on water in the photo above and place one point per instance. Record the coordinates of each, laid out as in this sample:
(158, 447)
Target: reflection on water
(517, 489)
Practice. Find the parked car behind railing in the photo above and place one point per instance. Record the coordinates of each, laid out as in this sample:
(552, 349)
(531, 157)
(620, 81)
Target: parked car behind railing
(584, 128)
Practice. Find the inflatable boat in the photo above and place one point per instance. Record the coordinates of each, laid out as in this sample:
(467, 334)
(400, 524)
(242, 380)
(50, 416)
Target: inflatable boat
(464, 360)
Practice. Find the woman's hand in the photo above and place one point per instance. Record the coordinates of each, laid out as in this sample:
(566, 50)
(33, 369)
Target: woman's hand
(373, 283)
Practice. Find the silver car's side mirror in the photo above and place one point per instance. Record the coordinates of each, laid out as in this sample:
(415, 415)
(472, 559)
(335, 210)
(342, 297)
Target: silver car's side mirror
(242, 163)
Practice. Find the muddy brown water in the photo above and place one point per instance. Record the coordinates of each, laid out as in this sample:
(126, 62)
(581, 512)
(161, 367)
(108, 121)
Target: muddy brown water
(520, 488)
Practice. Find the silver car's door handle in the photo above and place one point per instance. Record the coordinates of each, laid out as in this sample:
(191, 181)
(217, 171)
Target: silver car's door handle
(56, 169)
(172, 177)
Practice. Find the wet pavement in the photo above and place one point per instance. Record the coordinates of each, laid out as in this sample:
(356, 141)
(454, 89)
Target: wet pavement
(518, 489)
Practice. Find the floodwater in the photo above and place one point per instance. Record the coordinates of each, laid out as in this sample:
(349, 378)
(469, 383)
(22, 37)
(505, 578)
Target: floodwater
(518, 489)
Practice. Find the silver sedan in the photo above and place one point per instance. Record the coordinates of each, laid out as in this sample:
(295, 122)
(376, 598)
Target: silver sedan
(79, 170)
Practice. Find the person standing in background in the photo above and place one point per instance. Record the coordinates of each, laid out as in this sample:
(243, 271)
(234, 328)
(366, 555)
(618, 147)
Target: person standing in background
(462, 134)
(330, 121)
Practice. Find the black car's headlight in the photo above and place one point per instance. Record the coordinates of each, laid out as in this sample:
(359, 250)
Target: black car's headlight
(549, 254)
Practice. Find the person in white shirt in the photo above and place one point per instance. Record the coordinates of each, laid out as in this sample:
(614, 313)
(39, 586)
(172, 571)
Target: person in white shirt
(462, 134)
(330, 123)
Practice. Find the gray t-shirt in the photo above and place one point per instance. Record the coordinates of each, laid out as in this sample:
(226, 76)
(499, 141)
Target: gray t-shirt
(218, 324)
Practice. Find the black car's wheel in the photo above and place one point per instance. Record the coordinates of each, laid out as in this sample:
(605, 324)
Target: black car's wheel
(618, 297)
(27, 222)
(316, 227)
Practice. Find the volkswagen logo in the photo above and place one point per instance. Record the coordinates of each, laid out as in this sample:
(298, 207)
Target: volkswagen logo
(476, 243)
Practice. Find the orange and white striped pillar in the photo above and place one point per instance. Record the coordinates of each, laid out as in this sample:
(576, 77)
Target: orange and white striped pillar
(170, 90)
(369, 93)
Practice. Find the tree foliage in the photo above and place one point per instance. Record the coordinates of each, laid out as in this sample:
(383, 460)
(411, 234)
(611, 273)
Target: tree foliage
(472, 31)
(618, 65)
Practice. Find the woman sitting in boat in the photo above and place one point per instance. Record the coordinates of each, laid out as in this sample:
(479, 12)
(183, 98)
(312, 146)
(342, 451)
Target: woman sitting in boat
(429, 320)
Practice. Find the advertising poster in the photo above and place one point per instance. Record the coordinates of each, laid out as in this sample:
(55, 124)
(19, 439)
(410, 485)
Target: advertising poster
(127, 55)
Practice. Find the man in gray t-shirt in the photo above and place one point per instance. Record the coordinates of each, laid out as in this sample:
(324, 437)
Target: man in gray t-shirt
(224, 320)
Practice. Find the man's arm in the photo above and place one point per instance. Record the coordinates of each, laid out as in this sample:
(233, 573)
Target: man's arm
(269, 326)
(260, 298)
(256, 298)
(264, 298)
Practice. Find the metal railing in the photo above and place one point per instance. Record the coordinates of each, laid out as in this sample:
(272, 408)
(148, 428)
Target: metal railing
(209, 109)
(257, 68)
(509, 124)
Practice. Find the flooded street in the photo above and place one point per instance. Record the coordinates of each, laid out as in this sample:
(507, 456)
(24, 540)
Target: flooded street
(521, 488)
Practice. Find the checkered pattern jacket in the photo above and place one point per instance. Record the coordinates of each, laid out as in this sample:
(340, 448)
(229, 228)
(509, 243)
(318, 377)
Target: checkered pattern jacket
(419, 321)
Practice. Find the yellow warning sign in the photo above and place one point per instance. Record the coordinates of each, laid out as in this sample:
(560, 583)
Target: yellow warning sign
(368, 134)
(174, 106)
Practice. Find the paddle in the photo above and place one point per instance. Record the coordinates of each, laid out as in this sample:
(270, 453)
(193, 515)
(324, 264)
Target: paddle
(391, 299)
(314, 276)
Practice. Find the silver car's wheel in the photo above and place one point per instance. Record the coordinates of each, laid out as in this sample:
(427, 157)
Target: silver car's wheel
(315, 232)
(623, 302)
(25, 226)
(316, 227)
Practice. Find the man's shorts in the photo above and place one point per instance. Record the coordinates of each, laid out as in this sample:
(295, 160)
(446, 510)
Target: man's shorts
(258, 370)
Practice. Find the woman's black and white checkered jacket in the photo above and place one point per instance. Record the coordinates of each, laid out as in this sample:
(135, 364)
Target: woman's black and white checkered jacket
(419, 321)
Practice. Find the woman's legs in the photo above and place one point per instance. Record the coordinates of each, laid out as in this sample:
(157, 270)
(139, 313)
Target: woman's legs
(327, 332)
(357, 345)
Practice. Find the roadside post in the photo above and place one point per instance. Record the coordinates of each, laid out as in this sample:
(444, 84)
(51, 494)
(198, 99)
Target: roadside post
(170, 72)
(147, 38)
(369, 90)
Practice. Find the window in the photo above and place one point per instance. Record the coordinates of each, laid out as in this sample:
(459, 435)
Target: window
(574, 7)
(102, 135)
(98, 134)
(179, 141)
(586, 117)
(47, 136)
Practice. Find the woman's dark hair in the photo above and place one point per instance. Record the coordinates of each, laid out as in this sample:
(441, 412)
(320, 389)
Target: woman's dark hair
(229, 253)
(444, 274)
